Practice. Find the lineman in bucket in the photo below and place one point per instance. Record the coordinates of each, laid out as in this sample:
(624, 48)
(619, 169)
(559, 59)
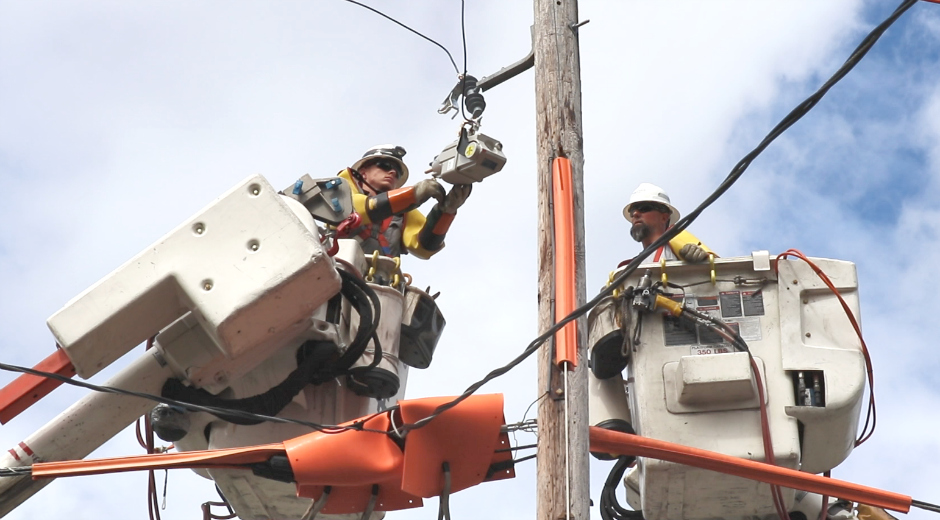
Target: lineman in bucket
(391, 224)
(650, 214)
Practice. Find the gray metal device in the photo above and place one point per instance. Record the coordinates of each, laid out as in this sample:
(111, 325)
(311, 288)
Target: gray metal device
(328, 200)
(471, 158)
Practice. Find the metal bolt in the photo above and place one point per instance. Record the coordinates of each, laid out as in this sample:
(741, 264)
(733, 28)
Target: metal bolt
(805, 300)
(808, 334)
(559, 391)
(207, 286)
(579, 24)
(255, 191)
(794, 282)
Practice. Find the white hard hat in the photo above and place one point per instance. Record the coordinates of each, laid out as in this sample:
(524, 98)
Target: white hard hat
(386, 151)
(647, 192)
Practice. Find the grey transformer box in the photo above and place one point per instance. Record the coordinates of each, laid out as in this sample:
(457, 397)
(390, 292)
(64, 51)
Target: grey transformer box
(471, 158)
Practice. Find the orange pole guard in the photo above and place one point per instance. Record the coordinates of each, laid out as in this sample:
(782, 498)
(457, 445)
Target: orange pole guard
(566, 339)
(608, 441)
(26, 390)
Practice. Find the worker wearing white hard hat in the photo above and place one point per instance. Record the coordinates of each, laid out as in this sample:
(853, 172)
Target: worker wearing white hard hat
(651, 213)
(391, 223)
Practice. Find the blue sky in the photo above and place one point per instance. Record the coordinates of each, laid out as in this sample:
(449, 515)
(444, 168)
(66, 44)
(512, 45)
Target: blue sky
(119, 120)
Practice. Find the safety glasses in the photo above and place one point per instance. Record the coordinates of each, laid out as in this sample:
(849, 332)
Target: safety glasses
(646, 207)
(388, 166)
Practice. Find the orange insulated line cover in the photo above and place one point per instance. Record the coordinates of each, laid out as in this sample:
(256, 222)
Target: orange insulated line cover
(566, 339)
(609, 441)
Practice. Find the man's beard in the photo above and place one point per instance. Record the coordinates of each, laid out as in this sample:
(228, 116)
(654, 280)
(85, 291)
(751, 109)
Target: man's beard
(640, 231)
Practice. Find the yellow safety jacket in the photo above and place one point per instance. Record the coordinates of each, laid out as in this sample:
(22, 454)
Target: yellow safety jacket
(675, 245)
(408, 232)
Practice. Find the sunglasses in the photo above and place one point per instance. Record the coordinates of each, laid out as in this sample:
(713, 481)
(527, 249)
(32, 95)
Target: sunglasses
(387, 166)
(647, 207)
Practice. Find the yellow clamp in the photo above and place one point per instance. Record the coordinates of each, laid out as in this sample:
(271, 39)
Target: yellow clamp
(662, 267)
(674, 307)
(711, 266)
(396, 279)
(370, 275)
(610, 280)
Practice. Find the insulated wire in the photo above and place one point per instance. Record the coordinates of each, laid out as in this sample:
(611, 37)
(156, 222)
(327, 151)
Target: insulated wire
(925, 506)
(329, 429)
(795, 115)
(380, 13)
(463, 77)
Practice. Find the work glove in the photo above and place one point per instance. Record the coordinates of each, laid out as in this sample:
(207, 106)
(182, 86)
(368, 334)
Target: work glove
(457, 196)
(428, 188)
(693, 254)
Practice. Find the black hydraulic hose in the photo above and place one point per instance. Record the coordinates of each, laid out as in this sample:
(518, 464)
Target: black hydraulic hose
(610, 508)
(367, 304)
(314, 369)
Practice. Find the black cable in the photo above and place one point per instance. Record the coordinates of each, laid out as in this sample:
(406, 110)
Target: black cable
(19, 471)
(925, 506)
(463, 77)
(795, 115)
(523, 459)
(214, 410)
(380, 13)
(610, 507)
(369, 309)
(514, 448)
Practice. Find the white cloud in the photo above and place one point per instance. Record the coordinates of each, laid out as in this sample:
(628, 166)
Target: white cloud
(118, 121)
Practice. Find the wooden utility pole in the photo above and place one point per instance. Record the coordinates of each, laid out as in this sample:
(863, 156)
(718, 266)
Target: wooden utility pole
(563, 485)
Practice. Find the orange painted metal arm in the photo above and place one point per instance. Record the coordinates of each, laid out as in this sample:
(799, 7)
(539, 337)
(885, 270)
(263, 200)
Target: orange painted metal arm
(25, 390)
(566, 339)
(608, 441)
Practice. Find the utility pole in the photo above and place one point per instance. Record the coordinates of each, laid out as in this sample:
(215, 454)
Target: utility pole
(562, 467)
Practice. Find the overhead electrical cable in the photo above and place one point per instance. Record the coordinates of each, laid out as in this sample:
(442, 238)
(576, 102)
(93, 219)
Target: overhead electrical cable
(463, 76)
(380, 13)
(795, 115)
(214, 410)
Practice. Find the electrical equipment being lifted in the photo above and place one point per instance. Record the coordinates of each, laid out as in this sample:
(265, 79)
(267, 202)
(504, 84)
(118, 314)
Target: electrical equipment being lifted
(471, 158)
(677, 328)
(250, 314)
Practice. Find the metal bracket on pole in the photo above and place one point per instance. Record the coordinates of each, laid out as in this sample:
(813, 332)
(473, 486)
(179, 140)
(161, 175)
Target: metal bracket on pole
(452, 101)
(511, 71)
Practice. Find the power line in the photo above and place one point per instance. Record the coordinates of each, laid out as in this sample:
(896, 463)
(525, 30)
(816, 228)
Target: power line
(380, 13)
(214, 410)
(795, 115)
